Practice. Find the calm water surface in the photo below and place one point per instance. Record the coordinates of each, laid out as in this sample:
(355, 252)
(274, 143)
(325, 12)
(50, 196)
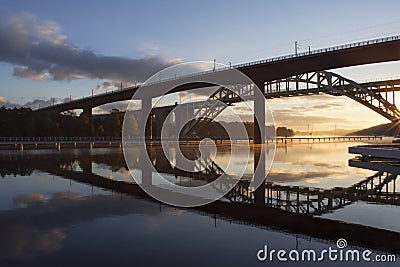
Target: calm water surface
(49, 217)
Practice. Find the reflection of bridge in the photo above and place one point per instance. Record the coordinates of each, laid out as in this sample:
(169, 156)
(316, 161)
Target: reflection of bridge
(378, 188)
(295, 75)
(286, 219)
(316, 201)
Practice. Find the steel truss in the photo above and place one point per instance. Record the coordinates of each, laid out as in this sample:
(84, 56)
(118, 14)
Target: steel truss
(378, 96)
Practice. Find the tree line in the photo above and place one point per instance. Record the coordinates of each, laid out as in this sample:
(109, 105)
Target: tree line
(25, 122)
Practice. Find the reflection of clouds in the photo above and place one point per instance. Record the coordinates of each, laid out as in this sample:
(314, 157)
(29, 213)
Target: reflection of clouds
(324, 164)
(176, 212)
(23, 201)
(51, 240)
(39, 224)
(297, 176)
(319, 164)
(111, 172)
(316, 165)
(24, 242)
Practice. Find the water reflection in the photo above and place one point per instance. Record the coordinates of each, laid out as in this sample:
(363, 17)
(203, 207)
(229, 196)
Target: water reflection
(42, 218)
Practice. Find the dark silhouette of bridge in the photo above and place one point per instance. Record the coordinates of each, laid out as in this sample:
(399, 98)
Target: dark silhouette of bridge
(293, 75)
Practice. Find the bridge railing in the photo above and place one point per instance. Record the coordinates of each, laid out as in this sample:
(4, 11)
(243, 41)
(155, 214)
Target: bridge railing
(273, 59)
(91, 96)
(323, 50)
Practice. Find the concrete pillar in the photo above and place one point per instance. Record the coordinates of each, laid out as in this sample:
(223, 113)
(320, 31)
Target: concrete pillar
(259, 138)
(184, 115)
(143, 119)
(86, 165)
(88, 112)
(149, 127)
(145, 133)
(259, 116)
(158, 121)
(147, 179)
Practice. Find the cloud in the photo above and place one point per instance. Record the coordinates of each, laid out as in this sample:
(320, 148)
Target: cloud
(39, 49)
(26, 72)
(291, 117)
(40, 103)
(121, 106)
(318, 107)
(108, 85)
(4, 102)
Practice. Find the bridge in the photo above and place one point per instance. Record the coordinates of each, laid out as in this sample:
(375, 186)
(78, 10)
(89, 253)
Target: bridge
(286, 76)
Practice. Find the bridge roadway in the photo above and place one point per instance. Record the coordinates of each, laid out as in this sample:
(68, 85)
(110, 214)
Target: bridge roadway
(367, 52)
(240, 212)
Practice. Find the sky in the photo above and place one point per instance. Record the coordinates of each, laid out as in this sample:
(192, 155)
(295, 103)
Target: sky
(66, 49)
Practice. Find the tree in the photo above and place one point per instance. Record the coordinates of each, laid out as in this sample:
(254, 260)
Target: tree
(131, 125)
(285, 132)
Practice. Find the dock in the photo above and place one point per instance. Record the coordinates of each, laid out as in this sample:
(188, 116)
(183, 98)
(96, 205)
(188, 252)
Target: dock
(327, 139)
(90, 142)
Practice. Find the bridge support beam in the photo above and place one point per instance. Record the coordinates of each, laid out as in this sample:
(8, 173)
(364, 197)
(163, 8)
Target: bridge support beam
(149, 127)
(145, 134)
(185, 114)
(86, 165)
(259, 115)
(88, 112)
(259, 138)
(158, 121)
(147, 174)
(145, 122)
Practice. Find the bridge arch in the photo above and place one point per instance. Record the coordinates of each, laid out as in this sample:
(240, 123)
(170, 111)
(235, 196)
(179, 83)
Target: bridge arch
(367, 94)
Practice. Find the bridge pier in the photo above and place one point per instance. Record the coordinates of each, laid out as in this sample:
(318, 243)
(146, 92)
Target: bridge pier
(259, 138)
(146, 168)
(87, 112)
(86, 166)
(145, 119)
(149, 127)
(185, 114)
(160, 117)
(259, 115)
(145, 128)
